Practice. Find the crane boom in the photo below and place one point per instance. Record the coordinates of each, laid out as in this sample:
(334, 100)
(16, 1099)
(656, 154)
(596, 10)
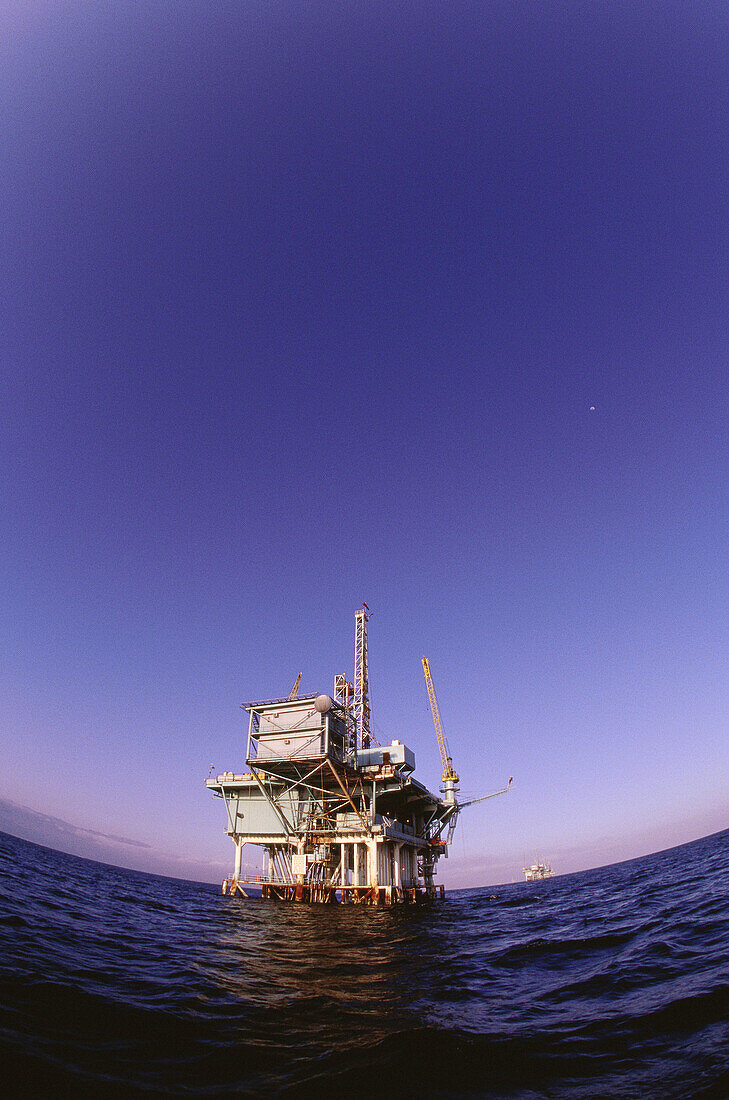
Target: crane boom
(449, 775)
(484, 797)
(295, 689)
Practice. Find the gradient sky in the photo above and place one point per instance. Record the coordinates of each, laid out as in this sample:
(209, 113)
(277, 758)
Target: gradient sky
(423, 304)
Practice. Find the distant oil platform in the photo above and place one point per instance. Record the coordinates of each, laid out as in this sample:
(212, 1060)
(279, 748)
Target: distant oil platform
(538, 871)
(339, 817)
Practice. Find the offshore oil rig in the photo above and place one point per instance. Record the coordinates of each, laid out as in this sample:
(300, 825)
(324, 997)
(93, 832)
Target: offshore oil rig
(339, 817)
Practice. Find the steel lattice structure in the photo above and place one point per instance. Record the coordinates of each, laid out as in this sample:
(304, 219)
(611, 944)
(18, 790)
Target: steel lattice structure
(338, 817)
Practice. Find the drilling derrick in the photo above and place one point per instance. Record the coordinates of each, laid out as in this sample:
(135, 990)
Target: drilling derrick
(361, 678)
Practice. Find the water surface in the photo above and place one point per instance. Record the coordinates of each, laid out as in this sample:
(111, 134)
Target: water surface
(612, 983)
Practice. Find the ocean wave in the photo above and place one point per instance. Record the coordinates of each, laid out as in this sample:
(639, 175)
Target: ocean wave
(612, 983)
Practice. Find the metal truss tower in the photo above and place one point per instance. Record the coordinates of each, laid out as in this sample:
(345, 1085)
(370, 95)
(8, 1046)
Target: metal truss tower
(361, 678)
(344, 692)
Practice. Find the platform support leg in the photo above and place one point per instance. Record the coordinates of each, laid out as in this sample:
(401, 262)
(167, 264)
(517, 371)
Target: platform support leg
(372, 877)
(396, 865)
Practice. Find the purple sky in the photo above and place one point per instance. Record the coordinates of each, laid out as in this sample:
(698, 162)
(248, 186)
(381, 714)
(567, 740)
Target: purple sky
(304, 304)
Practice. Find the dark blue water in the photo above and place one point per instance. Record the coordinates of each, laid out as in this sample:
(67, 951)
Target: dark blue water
(608, 983)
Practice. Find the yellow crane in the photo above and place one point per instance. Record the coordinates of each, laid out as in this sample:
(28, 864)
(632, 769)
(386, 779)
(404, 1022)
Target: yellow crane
(295, 689)
(449, 776)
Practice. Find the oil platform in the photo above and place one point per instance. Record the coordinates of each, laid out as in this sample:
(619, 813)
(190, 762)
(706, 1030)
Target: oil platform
(339, 817)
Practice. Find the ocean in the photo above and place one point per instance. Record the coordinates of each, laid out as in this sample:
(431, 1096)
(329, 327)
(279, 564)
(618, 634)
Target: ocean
(609, 983)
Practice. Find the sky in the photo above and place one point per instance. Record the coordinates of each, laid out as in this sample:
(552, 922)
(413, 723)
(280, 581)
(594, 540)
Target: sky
(412, 303)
